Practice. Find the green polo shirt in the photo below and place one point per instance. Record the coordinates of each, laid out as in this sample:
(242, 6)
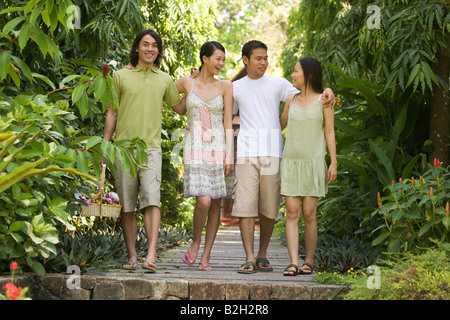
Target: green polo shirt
(141, 94)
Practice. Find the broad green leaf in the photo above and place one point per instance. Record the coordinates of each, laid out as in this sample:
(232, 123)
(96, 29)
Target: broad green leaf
(38, 268)
(23, 67)
(38, 36)
(78, 92)
(5, 56)
(31, 235)
(68, 79)
(82, 164)
(12, 24)
(380, 238)
(93, 141)
(83, 104)
(100, 84)
(446, 222)
(108, 150)
(383, 158)
(16, 226)
(62, 158)
(45, 79)
(25, 32)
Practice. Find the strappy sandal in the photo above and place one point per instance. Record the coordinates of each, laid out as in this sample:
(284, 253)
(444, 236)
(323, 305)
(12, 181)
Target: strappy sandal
(203, 267)
(292, 273)
(307, 264)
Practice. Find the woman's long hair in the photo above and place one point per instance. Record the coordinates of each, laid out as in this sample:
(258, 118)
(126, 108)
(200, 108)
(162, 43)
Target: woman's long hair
(312, 71)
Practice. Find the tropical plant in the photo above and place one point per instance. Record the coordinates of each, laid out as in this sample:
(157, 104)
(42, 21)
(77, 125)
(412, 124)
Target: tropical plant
(415, 212)
(51, 141)
(399, 45)
(407, 277)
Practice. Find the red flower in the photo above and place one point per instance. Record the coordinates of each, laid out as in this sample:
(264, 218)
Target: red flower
(14, 265)
(437, 163)
(12, 291)
(379, 200)
(447, 209)
(105, 69)
(412, 182)
(420, 180)
(400, 180)
(431, 191)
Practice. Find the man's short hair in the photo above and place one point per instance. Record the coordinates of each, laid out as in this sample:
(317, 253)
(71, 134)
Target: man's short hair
(134, 57)
(248, 48)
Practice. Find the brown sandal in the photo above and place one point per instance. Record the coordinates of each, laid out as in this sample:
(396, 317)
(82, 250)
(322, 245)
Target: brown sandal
(291, 273)
(307, 264)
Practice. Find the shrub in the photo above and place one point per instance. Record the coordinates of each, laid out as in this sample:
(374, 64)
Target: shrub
(343, 254)
(409, 277)
(414, 212)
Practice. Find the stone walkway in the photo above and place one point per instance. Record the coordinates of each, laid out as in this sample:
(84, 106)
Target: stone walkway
(174, 280)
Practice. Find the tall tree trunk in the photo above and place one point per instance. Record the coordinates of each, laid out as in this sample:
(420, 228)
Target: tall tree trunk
(439, 108)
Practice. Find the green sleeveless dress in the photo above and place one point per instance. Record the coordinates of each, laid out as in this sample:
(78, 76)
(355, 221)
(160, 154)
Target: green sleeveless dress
(303, 166)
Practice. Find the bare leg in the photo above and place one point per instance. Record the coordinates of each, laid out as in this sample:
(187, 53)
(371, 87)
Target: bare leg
(202, 205)
(129, 229)
(211, 230)
(266, 229)
(247, 227)
(152, 220)
(309, 207)
(292, 218)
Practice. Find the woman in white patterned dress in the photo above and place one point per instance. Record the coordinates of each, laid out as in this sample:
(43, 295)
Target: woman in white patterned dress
(207, 147)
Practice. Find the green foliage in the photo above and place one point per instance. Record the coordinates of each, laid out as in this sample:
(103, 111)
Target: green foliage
(413, 214)
(375, 144)
(342, 255)
(397, 52)
(41, 169)
(409, 277)
(261, 20)
(53, 99)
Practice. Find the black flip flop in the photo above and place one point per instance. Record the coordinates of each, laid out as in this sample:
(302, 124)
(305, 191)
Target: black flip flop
(247, 266)
(264, 263)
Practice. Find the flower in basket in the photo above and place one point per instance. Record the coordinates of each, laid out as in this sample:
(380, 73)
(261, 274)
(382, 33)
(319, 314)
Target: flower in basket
(111, 198)
(80, 196)
(108, 198)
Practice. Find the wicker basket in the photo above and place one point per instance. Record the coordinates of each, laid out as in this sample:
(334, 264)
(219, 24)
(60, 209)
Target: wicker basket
(99, 209)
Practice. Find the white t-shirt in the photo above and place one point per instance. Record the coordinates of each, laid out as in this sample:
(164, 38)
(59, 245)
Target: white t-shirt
(258, 102)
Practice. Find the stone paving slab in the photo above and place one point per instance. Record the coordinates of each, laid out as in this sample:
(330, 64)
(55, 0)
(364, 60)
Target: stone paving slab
(174, 280)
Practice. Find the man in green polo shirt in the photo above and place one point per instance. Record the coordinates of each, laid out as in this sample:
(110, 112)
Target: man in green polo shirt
(141, 93)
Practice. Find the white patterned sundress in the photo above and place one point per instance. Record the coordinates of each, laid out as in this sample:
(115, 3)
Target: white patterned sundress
(205, 147)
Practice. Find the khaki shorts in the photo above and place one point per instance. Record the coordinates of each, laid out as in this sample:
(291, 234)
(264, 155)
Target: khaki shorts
(145, 185)
(257, 187)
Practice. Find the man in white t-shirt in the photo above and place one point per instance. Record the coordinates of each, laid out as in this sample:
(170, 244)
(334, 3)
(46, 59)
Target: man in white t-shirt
(257, 96)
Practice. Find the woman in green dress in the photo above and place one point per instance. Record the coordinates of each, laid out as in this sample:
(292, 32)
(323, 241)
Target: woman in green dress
(304, 172)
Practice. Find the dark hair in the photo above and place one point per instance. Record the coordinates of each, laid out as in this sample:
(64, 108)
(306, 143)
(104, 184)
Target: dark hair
(134, 57)
(312, 71)
(208, 49)
(242, 73)
(248, 48)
